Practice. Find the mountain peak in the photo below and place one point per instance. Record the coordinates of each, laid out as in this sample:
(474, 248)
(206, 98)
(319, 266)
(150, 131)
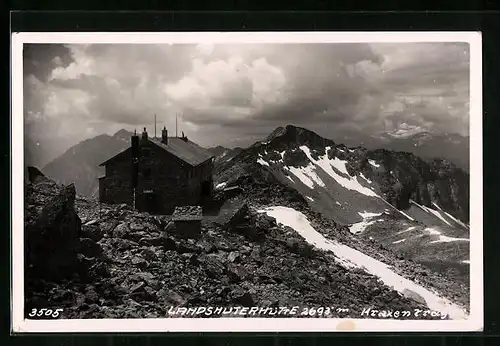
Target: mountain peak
(295, 134)
(122, 134)
(277, 132)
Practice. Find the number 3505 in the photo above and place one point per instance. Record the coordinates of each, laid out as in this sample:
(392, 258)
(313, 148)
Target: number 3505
(45, 312)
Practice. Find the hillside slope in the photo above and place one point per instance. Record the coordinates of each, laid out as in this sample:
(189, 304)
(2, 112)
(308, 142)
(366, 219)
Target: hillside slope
(80, 163)
(378, 194)
(223, 154)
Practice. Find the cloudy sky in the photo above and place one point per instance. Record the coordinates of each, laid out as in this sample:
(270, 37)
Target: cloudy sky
(233, 95)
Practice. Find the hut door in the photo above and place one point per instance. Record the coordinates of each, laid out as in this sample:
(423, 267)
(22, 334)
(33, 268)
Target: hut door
(206, 189)
(149, 201)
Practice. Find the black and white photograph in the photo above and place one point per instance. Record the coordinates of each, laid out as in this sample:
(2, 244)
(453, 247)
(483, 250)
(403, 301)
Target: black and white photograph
(247, 182)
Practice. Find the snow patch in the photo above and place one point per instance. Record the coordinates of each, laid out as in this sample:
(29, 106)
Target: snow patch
(309, 198)
(290, 178)
(299, 222)
(337, 203)
(407, 230)
(373, 163)
(451, 216)
(407, 216)
(365, 214)
(398, 241)
(348, 183)
(349, 258)
(432, 211)
(262, 162)
(437, 214)
(339, 164)
(465, 262)
(221, 185)
(365, 178)
(307, 175)
(442, 238)
(360, 226)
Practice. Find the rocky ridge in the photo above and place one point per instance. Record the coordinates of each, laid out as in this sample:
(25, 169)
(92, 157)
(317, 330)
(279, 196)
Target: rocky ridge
(401, 176)
(224, 154)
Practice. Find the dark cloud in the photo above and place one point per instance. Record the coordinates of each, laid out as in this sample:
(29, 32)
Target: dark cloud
(237, 93)
(40, 59)
(318, 85)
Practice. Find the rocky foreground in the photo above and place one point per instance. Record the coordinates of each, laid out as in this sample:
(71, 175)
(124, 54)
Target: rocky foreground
(103, 261)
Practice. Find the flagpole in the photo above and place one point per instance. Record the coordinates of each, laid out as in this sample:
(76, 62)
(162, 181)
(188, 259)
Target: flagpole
(155, 125)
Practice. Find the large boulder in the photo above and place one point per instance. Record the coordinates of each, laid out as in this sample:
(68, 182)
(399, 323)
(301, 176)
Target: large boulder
(34, 175)
(52, 231)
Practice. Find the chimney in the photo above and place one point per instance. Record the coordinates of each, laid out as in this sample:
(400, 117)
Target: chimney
(144, 136)
(135, 159)
(184, 138)
(164, 135)
(135, 145)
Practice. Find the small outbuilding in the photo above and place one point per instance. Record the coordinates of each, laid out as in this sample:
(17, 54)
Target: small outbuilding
(187, 221)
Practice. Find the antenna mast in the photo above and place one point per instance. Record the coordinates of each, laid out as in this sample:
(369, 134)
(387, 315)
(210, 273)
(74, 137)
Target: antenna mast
(155, 125)
(176, 116)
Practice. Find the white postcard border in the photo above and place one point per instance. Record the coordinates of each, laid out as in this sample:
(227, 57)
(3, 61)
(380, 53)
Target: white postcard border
(20, 325)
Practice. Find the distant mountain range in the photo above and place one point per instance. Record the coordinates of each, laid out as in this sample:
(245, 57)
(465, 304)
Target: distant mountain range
(423, 143)
(80, 163)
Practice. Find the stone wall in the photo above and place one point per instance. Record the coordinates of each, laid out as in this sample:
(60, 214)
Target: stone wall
(115, 187)
(168, 178)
